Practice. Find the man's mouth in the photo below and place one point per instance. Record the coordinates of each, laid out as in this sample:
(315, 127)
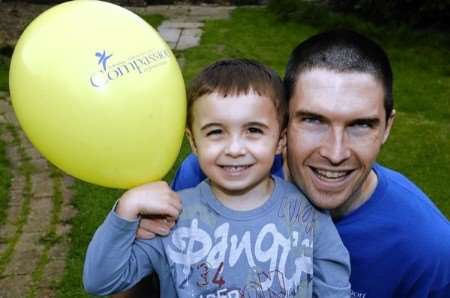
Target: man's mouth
(331, 175)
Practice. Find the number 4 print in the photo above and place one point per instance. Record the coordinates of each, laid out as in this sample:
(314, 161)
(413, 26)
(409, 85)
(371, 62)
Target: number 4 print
(218, 278)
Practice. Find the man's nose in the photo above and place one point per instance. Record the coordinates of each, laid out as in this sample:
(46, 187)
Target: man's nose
(335, 147)
(235, 147)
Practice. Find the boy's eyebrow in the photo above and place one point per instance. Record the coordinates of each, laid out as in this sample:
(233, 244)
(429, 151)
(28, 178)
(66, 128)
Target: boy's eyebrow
(209, 125)
(256, 123)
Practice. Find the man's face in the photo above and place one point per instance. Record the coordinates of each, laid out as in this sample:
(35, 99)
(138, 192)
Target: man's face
(336, 128)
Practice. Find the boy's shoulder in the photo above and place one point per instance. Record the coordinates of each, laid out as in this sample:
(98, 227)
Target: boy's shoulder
(289, 188)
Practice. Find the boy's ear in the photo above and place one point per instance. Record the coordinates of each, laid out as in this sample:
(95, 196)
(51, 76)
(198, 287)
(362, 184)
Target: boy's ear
(190, 137)
(282, 141)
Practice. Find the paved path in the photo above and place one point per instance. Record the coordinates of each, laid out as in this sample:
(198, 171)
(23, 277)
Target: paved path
(183, 27)
(34, 238)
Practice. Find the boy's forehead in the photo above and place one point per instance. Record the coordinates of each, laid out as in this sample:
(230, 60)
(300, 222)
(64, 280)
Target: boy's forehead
(238, 96)
(230, 106)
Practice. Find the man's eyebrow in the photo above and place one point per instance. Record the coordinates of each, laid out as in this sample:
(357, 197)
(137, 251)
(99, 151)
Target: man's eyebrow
(306, 113)
(371, 120)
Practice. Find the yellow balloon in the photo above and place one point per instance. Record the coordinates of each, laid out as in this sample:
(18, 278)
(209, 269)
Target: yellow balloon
(99, 93)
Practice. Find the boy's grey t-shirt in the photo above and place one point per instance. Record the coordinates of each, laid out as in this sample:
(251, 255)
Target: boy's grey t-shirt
(276, 250)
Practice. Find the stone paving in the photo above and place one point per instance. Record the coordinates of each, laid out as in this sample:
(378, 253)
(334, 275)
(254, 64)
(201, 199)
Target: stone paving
(183, 27)
(34, 239)
(36, 228)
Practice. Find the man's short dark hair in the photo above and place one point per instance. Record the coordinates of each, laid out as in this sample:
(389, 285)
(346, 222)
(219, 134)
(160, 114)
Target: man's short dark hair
(341, 51)
(232, 77)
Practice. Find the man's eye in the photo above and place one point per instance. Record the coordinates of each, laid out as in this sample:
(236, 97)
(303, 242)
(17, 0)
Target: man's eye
(253, 130)
(362, 125)
(214, 132)
(311, 120)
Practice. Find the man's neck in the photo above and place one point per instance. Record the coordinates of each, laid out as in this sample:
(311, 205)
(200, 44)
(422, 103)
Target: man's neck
(358, 198)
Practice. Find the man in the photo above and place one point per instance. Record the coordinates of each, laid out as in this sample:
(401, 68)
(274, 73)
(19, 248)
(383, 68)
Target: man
(339, 88)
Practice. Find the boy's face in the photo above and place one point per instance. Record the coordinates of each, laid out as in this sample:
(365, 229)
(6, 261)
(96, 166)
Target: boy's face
(235, 138)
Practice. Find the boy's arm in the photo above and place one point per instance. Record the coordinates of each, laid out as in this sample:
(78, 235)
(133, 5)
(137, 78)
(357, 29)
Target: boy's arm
(155, 198)
(331, 260)
(115, 260)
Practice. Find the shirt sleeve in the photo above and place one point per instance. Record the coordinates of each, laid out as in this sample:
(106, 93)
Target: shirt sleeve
(331, 260)
(115, 260)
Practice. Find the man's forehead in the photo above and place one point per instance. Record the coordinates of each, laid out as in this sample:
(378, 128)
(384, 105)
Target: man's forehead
(327, 77)
(347, 93)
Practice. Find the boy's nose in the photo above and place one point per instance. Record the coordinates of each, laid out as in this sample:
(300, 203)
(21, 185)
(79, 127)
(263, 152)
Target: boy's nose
(235, 147)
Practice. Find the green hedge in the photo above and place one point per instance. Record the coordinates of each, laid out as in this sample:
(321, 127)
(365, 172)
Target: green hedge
(415, 13)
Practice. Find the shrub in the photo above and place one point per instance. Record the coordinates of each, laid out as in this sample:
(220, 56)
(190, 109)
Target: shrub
(415, 13)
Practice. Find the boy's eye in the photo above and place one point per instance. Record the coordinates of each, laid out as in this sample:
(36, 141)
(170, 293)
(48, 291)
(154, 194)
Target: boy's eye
(213, 132)
(255, 130)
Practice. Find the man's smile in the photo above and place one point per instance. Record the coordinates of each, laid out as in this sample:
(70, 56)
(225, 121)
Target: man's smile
(331, 174)
(331, 180)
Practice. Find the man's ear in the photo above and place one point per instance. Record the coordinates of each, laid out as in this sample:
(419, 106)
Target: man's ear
(190, 137)
(389, 124)
(282, 141)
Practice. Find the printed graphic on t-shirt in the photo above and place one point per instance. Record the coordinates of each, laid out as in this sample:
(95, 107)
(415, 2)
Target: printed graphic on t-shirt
(273, 260)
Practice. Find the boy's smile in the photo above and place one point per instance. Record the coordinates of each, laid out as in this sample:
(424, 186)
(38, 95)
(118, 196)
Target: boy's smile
(236, 138)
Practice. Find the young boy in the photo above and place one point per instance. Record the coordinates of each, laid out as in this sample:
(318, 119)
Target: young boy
(242, 232)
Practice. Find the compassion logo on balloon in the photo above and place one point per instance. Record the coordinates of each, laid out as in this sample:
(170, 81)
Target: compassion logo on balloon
(99, 93)
(140, 63)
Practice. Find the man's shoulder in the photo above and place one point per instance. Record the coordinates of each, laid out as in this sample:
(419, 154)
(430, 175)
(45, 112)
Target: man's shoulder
(413, 211)
(402, 194)
(399, 190)
(396, 181)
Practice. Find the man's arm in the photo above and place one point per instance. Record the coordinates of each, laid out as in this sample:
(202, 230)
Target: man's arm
(189, 174)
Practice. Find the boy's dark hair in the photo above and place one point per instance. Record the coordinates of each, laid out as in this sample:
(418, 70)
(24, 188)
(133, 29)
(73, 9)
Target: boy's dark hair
(235, 77)
(341, 51)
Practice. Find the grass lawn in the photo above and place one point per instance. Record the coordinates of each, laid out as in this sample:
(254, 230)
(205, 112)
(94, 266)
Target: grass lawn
(420, 141)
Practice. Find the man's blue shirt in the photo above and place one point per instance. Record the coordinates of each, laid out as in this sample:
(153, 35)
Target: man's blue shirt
(399, 242)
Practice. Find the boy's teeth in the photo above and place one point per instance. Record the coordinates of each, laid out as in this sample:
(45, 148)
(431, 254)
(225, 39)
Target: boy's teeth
(331, 174)
(235, 168)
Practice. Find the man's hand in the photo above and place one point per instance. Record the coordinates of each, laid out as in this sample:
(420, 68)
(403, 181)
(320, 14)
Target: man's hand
(150, 226)
(156, 200)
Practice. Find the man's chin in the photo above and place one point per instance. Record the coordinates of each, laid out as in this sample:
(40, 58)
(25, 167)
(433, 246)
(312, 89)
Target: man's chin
(327, 201)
